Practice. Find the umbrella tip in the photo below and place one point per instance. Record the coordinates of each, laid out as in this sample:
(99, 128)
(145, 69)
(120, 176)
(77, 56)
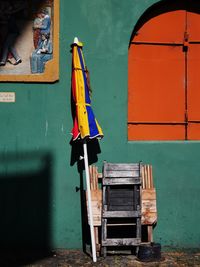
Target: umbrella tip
(76, 41)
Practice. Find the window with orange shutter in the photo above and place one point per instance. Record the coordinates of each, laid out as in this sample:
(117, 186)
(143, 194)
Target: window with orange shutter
(164, 74)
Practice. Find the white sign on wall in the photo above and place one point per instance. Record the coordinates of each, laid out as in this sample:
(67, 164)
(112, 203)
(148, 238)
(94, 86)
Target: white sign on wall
(7, 97)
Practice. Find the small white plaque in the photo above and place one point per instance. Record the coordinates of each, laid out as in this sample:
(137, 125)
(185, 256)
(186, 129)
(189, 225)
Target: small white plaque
(8, 97)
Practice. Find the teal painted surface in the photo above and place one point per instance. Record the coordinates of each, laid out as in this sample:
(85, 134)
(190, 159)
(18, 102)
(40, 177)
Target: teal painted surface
(35, 136)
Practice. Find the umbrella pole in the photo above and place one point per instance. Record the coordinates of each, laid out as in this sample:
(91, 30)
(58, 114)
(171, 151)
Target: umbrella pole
(89, 202)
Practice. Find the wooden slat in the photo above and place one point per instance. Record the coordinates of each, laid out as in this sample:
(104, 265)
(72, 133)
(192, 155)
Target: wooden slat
(138, 227)
(148, 176)
(121, 194)
(150, 233)
(122, 166)
(104, 229)
(121, 242)
(121, 202)
(145, 176)
(149, 206)
(122, 181)
(93, 172)
(96, 234)
(96, 177)
(93, 178)
(143, 180)
(121, 173)
(151, 177)
(100, 175)
(148, 199)
(120, 207)
(96, 195)
(96, 199)
(149, 218)
(120, 224)
(149, 194)
(121, 214)
(90, 174)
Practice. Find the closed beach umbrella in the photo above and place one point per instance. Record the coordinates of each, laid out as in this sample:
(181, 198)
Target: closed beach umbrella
(85, 124)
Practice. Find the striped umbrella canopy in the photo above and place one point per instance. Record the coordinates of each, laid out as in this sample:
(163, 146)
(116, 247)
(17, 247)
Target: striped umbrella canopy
(85, 123)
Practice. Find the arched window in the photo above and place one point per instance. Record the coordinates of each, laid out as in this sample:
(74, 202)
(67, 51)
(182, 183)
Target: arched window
(164, 73)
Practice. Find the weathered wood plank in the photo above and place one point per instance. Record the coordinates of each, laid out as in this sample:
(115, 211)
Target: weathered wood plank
(148, 197)
(120, 207)
(127, 189)
(100, 175)
(149, 218)
(121, 202)
(138, 228)
(151, 177)
(121, 198)
(147, 176)
(149, 207)
(96, 203)
(121, 242)
(121, 173)
(143, 178)
(121, 214)
(120, 224)
(122, 166)
(149, 194)
(104, 230)
(96, 195)
(93, 172)
(150, 233)
(121, 181)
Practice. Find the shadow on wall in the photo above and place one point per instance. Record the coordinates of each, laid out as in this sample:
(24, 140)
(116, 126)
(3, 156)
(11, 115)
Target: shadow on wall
(93, 149)
(25, 195)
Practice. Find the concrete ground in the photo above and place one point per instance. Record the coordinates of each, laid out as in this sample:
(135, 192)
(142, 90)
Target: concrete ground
(76, 258)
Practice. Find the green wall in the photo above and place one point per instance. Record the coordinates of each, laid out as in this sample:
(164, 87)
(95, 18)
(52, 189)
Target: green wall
(38, 197)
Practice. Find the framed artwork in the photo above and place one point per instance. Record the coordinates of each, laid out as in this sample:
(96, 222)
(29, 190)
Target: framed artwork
(29, 40)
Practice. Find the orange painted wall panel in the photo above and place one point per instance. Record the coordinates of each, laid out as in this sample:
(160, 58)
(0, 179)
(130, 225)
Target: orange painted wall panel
(165, 28)
(193, 131)
(194, 82)
(193, 26)
(156, 132)
(156, 84)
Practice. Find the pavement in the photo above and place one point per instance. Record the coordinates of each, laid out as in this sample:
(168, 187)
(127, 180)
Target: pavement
(77, 258)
